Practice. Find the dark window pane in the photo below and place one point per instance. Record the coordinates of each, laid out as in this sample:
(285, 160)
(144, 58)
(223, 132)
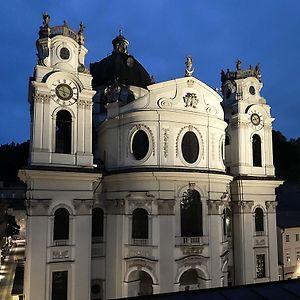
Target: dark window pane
(259, 219)
(256, 150)
(97, 222)
(61, 224)
(64, 53)
(140, 144)
(60, 285)
(140, 224)
(63, 132)
(191, 214)
(190, 147)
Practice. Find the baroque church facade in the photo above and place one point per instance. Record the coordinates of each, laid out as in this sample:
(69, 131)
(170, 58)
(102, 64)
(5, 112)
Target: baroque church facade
(136, 187)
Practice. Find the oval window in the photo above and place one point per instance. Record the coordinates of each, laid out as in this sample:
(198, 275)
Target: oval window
(252, 90)
(140, 144)
(64, 53)
(190, 147)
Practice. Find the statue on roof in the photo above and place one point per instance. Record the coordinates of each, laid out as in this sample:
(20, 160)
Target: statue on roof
(46, 19)
(189, 70)
(238, 65)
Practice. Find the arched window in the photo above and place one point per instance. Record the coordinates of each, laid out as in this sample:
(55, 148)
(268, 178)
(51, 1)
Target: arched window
(63, 132)
(256, 150)
(191, 214)
(227, 222)
(97, 224)
(140, 224)
(61, 224)
(259, 219)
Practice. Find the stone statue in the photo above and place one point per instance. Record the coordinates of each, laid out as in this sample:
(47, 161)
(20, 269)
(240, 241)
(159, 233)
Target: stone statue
(81, 28)
(238, 65)
(46, 19)
(189, 66)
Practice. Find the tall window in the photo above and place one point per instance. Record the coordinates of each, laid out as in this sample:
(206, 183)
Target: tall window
(227, 222)
(97, 223)
(191, 214)
(60, 285)
(140, 224)
(259, 219)
(256, 150)
(61, 224)
(63, 132)
(260, 266)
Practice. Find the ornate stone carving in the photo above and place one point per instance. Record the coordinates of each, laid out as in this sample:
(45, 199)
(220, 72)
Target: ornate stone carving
(190, 83)
(214, 206)
(41, 98)
(140, 264)
(189, 70)
(190, 250)
(164, 103)
(271, 206)
(166, 133)
(190, 100)
(115, 206)
(57, 254)
(166, 207)
(83, 206)
(260, 242)
(139, 199)
(37, 206)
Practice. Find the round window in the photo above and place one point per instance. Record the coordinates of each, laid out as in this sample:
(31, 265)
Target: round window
(64, 53)
(252, 90)
(140, 144)
(190, 147)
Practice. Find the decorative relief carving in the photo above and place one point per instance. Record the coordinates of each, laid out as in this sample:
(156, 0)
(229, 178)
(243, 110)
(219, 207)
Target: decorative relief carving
(84, 104)
(190, 250)
(115, 206)
(139, 199)
(214, 206)
(190, 83)
(140, 252)
(56, 254)
(166, 133)
(166, 207)
(164, 103)
(245, 206)
(140, 264)
(190, 100)
(83, 205)
(37, 207)
(271, 206)
(260, 242)
(41, 98)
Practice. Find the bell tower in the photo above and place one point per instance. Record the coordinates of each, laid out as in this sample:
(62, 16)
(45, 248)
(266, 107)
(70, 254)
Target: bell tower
(60, 96)
(60, 177)
(249, 158)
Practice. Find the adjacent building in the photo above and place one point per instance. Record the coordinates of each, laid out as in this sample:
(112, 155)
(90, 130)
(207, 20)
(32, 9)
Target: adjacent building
(136, 187)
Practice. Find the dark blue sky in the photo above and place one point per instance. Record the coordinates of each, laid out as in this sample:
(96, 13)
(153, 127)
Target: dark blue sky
(161, 34)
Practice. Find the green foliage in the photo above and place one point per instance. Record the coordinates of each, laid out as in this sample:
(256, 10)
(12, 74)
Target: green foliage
(12, 158)
(286, 156)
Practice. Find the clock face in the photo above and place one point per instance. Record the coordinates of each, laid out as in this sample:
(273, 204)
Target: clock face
(64, 92)
(255, 119)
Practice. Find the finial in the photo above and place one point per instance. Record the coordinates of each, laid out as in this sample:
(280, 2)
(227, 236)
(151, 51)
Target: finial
(189, 70)
(120, 31)
(81, 28)
(46, 19)
(238, 65)
(66, 23)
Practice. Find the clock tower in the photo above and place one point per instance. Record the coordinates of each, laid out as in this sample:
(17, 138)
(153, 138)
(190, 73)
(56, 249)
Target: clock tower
(60, 97)
(249, 159)
(60, 177)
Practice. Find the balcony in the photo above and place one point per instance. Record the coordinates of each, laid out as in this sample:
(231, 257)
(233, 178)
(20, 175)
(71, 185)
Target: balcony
(192, 241)
(59, 243)
(140, 242)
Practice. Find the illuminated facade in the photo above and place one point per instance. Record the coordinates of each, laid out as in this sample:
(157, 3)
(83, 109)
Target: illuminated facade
(182, 176)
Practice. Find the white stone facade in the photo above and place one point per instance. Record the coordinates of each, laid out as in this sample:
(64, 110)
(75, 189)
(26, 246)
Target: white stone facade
(181, 205)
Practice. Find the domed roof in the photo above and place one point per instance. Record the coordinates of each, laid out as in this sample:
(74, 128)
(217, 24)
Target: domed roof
(119, 66)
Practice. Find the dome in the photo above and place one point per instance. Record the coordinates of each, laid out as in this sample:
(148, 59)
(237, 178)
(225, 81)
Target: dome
(119, 66)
